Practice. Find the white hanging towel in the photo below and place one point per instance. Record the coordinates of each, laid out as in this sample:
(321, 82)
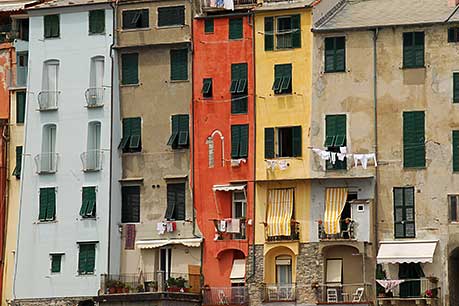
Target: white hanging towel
(233, 226)
(343, 150)
(372, 156)
(283, 165)
(161, 228)
(222, 226)
(341, 156)
(229, 5)
(357, 158)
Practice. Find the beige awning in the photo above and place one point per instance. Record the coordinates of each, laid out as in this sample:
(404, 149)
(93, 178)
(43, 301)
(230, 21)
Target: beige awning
(153, 244)
(228, 187)
(238, 271)
(416, 251)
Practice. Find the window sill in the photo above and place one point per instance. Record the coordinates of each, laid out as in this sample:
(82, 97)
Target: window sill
(179, 81)
(89, 218)
(236, 39)
(175, 26)
(86, 274)
(51, 38)
(283, 94)
(417, 67)
(286, 157)
(454, 222)
(335, 71)
(414, 168)
(135, 29)
(45, 222)
(130, 85)
(132, 153)
(95, 34)
(235, 114)
(208, 33)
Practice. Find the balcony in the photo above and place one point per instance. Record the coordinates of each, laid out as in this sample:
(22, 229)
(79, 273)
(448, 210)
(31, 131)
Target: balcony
(225, 296)
(94, 97)
(212, 4)
(347, 227)
(48, 100)
(226, 230)
(415, 291)
(344, 294)
(46, 163)
(279, 293)
(92, 160)
(294, 233)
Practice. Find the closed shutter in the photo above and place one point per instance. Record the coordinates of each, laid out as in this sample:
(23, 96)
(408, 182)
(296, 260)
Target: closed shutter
(244, 141)
(136, 134)
(269, 142)
(97, 21)
(87, 258)
(329, 54)
(269, 33)
(404, 214)
(235, 28)
(340, 54)
(413, 49)
(18, 168)
(335, 130)
(179, 65)
(20, 106)
(455, 150)
(88, 204)
(43, 204)
(296, 141)
(130, 206)
(399, 228)
(56, 263)
(235, 140)
(209, 25)
(180, 203)
(51, 209)
(130, 68)
(419, 49)
(170, 16)
(51, 26)
(296, 34)
(413, 139)
(456, 87)
(282, 79)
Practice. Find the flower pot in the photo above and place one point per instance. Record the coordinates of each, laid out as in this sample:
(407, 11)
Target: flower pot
(111, 290)
(173, 289)
(126, 290)
(119, 290)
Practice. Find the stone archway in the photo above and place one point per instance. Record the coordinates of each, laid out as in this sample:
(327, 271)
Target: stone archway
(453, 277)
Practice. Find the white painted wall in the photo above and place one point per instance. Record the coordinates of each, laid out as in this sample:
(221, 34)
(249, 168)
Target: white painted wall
(74, 49)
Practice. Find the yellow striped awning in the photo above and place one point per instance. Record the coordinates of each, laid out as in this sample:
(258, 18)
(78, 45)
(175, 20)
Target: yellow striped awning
(280, 210)
(335, 200)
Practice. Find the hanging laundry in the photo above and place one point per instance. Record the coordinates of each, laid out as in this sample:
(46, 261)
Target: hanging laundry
(237, 162)
(222, 226)
(219, 3)
(283, 164)
(229, 4)
(372, 156)
(271, 164)
(357, 158)
(233, 226)
(317, 151)
(333, 158)
(341, 156)
(343, 150)
(325, 155)
(161, 228)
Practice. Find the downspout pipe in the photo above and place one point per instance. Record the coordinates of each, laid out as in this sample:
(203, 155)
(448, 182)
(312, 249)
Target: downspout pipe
(375, 127)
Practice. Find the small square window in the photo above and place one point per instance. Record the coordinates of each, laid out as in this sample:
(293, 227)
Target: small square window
(51, 26)
(207, 88)
(135, 19)
(56, 261)
(453, 201)
(209, 25)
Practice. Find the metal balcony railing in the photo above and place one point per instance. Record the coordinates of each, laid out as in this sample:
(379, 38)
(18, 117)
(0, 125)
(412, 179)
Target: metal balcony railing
(48, 100)
(421, 288)
(46, 163)
(215, 4)
(294, 233)
(279, 292)
(94, 97)
(92, 160)
(239, 235)
(347, 227)
(344, 293)
(225, 296)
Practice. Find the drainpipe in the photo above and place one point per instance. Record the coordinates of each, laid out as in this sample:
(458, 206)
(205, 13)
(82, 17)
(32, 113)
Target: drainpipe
(375, 122)
(254, 146)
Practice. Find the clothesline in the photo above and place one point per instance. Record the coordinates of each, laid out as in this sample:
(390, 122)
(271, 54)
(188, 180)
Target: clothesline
(333, 157)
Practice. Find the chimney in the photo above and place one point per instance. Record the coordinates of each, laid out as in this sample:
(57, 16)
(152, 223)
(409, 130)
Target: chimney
(453, 3)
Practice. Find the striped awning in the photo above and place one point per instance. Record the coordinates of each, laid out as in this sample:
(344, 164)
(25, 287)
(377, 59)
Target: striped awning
(335, 199)
(279, 214)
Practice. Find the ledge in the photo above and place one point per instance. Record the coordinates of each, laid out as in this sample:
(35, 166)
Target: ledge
(149, 296)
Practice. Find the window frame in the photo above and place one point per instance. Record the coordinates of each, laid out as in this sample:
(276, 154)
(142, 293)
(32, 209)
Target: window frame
(231, 24)
(171, 212)
(173, 62)
(453, 34)
(414, 49)
(94, 265)
(133, 217)
(20, 116)
(86, 212)
(123, 70)
(450, 218)
(51, 35)
(127, 144)
(239, 145)
(52, 257)
(141, 10)
(333, 143)
(207, 88)
(179, 128)
(283, 73)
(271, 32)
(404, 208)
(239, 87)
(171, 25)
(334, 51)
(43, 213)
(18, 168)
(102, 32)
(274, 142)
(208, 26)
(413, 146)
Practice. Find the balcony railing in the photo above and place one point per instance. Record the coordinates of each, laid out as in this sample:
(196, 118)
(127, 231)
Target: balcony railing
(347, 227)
(413, 289)
(92, 160)
(279, 292)
(48, 100)
(215, 4)
(94, 97)
(46, 163)
(240, 234)
(294, 233)
(344, 293)
(225, 296)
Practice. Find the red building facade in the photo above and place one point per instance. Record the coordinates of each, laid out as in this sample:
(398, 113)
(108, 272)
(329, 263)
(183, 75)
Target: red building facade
(223, 140)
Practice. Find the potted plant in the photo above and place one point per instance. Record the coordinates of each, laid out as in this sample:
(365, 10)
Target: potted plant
(127, 289)
(151, 286)
(119, 287)
(176, 284)
(111, 285)
(140, 288)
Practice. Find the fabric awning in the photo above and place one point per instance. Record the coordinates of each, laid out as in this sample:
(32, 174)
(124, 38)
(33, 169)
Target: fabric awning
(280, 210)
(412, 251)
(238, 271)
(228, 187)
(335, 200)
(153, 244)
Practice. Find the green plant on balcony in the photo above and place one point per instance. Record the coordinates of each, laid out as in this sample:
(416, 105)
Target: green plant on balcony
(176, 284)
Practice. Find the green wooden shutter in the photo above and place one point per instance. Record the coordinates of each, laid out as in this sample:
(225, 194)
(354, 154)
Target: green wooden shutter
(238, 88)
(179, 65)
(88, 203)
(97, 21)
(51, 26)
(408, 199)
(43, 204)
(82, 259)
(136, 134)
(235, 28)
(235, 140)
(180, 203)
(170, 16)
(90, 258)
(456, 87)
(419, 49)
(171, 201)
(455, 150)
(413, 49)
(84, 202)
(413, 139)
(209, 25)
(335, 130)
(329, 54)
(130, 69)
(399, 211)
(51, 209)
(20, 106)
(296, 141)
(244, 141)
(18, 168)
(340, 54)
(183, 135)
(269, 33)
(56, 263)
(269, 143)
(296, 34)
(175, 131)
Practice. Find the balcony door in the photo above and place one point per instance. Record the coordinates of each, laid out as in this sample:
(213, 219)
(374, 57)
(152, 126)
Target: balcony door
(412, 272)
(94, 153)
(239, 212)
(48, 149)
(50, 84)
(283, 270)
(165, 261)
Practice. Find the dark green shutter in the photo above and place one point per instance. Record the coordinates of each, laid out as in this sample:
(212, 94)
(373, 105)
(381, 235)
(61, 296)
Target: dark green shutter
(180, 204)
(130, 68)
(88, 203)
(269, 33)
(171, 16)
(43, 204)
(183, 130)
(296, 34)
(136, 134)
(238, 88)
(87, 258)
(452, 34)
(335, 130)
(235, 28)
(244, 141)
(130, 204)
(335, 54)
(51, 210)
(413, 49)
(235, 140)
(20, 106)
(171, 201)
(56, 263)
(455, 150)
(296, 141)
(18, 168)
(269, 143)
(404, 214)
(175, 131)
(51, 26)
(209, 25)
(97, 21)
(413, 139)
(456, 87)
(179, 65)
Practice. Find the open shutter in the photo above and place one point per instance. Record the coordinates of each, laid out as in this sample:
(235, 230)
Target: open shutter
(136, 133)
(456, 87)
(43, 204)
(244, 141)
(18, 168)
(455, 150)
(340, 139)
(296, 34)
(235, 140)
(180, 203)
(51, 210)
(175, 125)
(269, 142)
(84, 202)
(296, 136)
(91, 198)
(183, 130)
(269, 33)
(126, 134)
(130, 68)
(171, 201)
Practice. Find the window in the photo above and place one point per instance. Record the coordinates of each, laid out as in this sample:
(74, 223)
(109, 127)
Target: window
(22, 59)
(235, 28)
(97, 22)
(288, 142)
(18, 168)
(48, 97)
(453, 200)
(453, 34)
(130, 211)
(335, 137)
(413, 50)
(207, 88)
(287, 30)
(455, 144)
(165, 261)
(335, 54)
(209, 25)
(282, 79)
(180, 132)
(239, 141)
(179, 65)
(130, 69)
(132, 135)
(239, 210)
(93, 156)
(456, 87)
(56, 260)
(283, 270)
(21, 27)
(20, 106)
(51, 26)
(238, 88)
(88, 202)
(413, 140)
(334, 271)
(86, 258)
(135, 19)
(47, 209)
(171, 16)
(48, 157)
(175, 201)
(404, 212)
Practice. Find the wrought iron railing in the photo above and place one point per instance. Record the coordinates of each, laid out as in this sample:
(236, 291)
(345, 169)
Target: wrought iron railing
(294, 233)
(225, 296)
(411, 288)
(347, 227)
(92, 160)
(46, 163)
(48, 100)
(94, 97)
(219, 4)
(279, 292)
(344, 293)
